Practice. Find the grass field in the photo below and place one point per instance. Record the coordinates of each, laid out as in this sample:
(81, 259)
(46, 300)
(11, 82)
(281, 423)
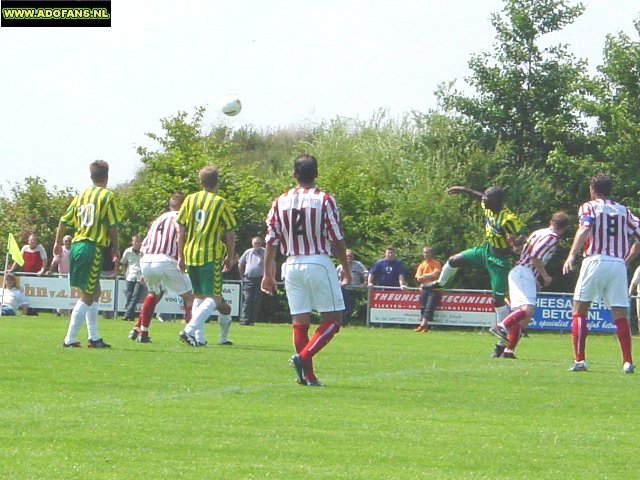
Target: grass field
(397, 405)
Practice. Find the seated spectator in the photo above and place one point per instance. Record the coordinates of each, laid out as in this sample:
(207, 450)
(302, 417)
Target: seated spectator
(12, 297)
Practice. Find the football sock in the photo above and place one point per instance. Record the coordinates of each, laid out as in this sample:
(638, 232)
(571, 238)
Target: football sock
(146, 312)
(579, 332)
(92, 321)
(300, 336)
(514, 336)
(205, 309)
(624, 337)
(323, 335)
(196, 303)
(300, 340)
(512, 319)
(78, 316)
(225, 324)
(447, 272)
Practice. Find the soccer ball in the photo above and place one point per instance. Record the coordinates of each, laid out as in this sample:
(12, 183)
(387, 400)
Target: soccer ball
(231, 106)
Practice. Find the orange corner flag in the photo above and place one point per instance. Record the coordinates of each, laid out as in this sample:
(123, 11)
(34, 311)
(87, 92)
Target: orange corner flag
(14, 250)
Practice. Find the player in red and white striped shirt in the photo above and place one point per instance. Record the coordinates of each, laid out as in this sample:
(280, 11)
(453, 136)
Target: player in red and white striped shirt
(604, 235)
(305, 223)
(537, 251)
(160, 270)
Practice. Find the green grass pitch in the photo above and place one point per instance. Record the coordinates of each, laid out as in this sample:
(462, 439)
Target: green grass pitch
(397, 405)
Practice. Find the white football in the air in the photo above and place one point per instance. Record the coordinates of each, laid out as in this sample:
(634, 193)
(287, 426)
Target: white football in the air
(231, 106)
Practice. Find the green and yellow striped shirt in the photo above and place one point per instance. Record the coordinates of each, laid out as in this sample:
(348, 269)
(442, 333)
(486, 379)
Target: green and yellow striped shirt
(91, 214)
(205, 216)
(499, 225)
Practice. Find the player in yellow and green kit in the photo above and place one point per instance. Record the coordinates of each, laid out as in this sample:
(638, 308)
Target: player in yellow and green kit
(95, 218)
(503, 232)
(203, 220)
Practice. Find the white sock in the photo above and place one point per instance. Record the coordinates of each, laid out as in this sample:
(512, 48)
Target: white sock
(200, 336)
(78, 315)
(447, 272)
(225, 324)
(199, 316)
(92, 322)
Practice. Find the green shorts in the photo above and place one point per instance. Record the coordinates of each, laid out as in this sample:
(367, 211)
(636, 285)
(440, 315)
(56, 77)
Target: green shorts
(497, 267)
(85, 265)
(206, 279)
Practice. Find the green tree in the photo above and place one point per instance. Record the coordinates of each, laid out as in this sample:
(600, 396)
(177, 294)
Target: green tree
(617, 108)
(31, 207)
(183, 151)
(528, 97)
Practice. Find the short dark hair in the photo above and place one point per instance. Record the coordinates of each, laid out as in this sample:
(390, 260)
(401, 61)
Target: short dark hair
(99, 171)
(305, 168)
(560, 220)
(208, 177)
(175, 201)
(601, 184)
(495, 192)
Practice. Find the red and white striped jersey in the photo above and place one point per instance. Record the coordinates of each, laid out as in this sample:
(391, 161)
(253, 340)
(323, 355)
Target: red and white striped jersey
(304, 221)
(162, 237)
(611, 227)
(541, 244)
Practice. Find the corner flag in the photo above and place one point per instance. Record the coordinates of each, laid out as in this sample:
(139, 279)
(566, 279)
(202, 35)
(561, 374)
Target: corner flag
(14, 250)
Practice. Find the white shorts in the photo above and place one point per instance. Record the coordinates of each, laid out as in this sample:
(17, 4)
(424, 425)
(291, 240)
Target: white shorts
(311, 284)
(161, 273)
(522, 287)
(603, 276)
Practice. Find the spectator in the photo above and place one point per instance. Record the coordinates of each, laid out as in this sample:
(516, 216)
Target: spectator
(61, 262)
(13, 300)
(359, 274)
(428, 271)
(388, 271)
(251, 267)
(35, 257)
(130, 261)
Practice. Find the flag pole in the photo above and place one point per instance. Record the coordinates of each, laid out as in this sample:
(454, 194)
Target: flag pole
(4, 274)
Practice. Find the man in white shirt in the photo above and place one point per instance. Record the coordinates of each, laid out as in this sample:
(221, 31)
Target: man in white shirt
(133, 275)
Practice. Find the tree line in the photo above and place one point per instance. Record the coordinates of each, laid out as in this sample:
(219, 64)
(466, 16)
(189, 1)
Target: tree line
(537, 124)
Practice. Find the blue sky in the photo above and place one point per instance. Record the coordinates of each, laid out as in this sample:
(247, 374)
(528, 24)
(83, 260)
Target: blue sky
(71, 95)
